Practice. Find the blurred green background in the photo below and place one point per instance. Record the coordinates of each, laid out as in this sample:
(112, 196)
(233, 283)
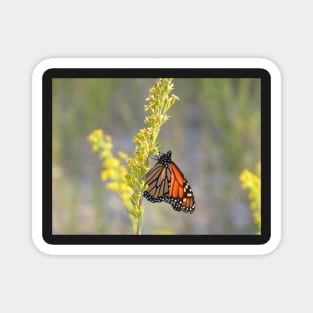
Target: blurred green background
(214, 133)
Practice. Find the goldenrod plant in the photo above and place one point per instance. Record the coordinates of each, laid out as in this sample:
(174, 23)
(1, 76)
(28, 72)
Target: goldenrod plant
(127, 174)
(252, 182)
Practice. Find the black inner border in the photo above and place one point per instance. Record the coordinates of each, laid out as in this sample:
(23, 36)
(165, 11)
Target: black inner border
(156, 73)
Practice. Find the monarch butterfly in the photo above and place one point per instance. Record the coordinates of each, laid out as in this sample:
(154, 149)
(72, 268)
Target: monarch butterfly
(167, 183)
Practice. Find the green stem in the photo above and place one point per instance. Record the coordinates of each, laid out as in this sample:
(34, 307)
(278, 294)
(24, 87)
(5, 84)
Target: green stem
(139, 219)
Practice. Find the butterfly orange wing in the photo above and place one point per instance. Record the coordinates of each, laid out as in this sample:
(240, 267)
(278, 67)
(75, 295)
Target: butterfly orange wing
(180, 195)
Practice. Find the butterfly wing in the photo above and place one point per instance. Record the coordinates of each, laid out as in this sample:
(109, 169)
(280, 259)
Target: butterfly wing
(158, 181)
(167, 183)
(180, 194)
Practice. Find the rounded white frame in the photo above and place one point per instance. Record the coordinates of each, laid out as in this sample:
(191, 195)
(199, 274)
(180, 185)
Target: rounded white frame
(156, 63)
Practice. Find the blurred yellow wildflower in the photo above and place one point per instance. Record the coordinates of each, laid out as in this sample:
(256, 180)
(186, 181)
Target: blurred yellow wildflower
(113, 169)
(253, 183)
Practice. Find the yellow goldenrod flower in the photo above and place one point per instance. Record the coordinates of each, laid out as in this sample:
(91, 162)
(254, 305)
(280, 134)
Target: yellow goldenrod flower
(96, 136)
(122, 155)
(114, 186)
(253, 183)
(129, 182)
(111, 163)
(108, 174)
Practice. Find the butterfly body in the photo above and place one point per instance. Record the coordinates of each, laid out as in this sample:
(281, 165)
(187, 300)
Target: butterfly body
(166, 183)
